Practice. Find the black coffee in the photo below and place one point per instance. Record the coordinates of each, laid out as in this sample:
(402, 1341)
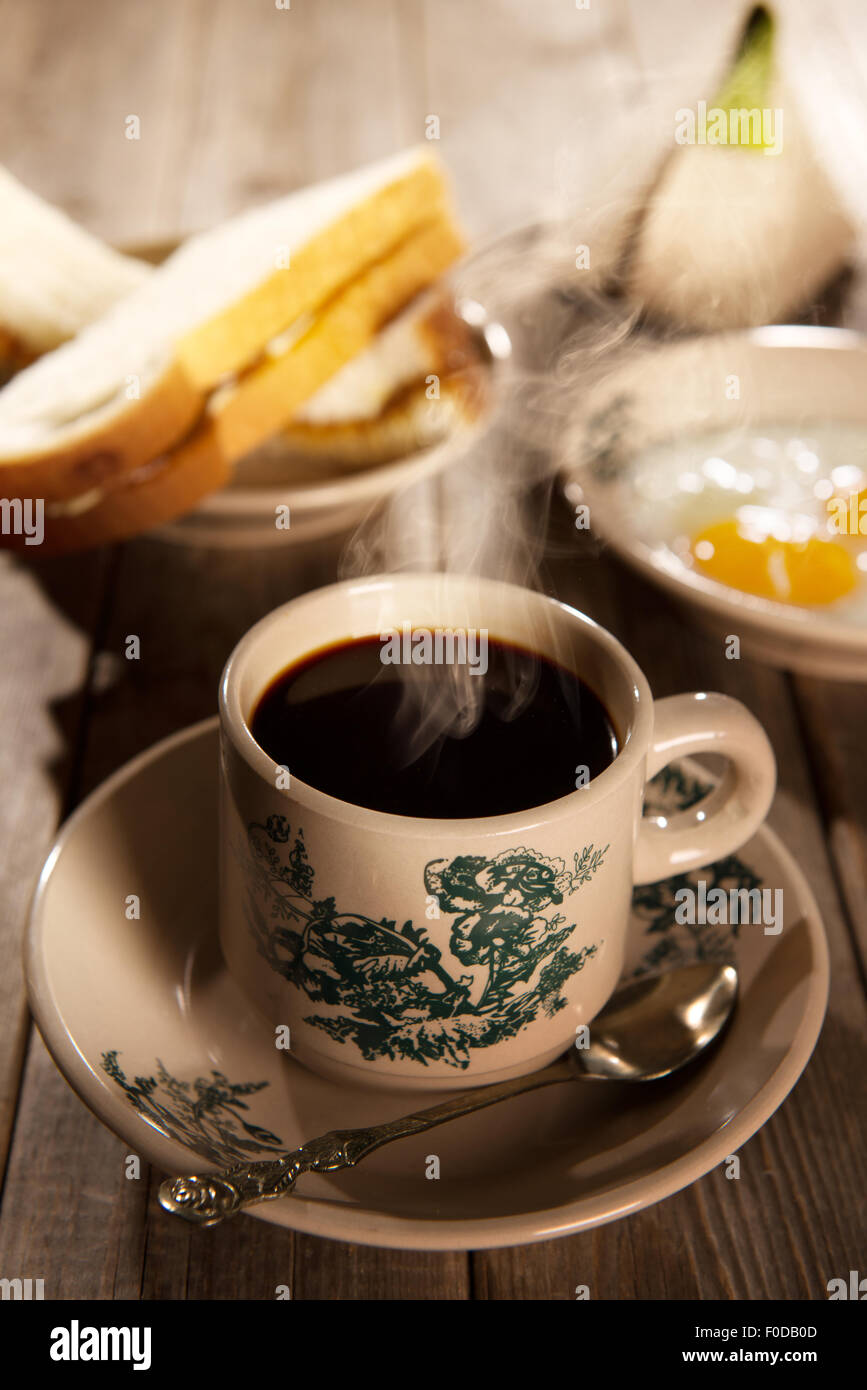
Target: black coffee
(348, 724)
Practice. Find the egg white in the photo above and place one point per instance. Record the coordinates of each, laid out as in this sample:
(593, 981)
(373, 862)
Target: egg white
(775, 476)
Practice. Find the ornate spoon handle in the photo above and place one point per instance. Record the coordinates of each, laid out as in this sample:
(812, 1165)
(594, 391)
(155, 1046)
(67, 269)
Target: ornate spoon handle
(209, 1199)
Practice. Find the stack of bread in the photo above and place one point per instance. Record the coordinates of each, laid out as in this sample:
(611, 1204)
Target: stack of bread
(133, 391)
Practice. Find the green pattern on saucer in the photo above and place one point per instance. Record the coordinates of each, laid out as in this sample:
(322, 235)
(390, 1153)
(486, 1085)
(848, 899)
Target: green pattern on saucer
(203, 1114)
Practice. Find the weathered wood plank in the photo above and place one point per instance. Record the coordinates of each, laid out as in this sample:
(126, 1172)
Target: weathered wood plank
(333, 1270)
(236, 104)
(70, 1216)
(513, 87)
(834, 716)
(70, 75)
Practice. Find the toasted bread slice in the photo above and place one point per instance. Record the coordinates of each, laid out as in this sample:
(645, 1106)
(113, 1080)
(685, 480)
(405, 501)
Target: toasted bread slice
(132, 384)
(413, 419)
(245, 413)
(427, 339)
(14, 355)
(267, 396)
(420, 377)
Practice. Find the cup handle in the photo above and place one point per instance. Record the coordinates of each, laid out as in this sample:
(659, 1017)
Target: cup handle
(726, 818)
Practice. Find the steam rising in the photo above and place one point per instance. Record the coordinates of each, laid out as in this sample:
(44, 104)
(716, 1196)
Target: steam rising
(487, 516)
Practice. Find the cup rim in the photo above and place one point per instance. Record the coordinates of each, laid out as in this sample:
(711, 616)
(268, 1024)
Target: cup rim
(634, 747)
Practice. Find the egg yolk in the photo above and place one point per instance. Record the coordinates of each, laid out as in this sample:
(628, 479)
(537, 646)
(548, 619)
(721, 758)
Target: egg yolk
(813, 571)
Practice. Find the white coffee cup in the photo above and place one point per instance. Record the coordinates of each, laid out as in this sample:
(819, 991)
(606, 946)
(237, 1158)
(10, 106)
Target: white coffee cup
(402, 952)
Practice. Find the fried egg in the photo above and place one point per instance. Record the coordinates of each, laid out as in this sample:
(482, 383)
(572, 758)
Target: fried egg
(769, 511)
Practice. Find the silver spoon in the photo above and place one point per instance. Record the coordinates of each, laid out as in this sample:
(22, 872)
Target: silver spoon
(647, 1030)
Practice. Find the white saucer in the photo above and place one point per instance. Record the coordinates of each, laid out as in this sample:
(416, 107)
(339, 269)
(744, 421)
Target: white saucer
(242, 515)
(794, 374)
(147, 1004)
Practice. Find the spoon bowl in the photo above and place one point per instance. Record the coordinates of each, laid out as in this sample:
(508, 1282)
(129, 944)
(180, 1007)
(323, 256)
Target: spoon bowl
(658, 1024)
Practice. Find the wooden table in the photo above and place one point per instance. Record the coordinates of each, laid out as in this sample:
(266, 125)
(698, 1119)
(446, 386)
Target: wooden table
(232, 109)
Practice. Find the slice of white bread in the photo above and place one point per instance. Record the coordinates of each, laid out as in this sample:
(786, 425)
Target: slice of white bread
(741, 234)
(134, 383)
(267, 396)
(421, 376)
(55, 277)
(426, 339)
(246, 412)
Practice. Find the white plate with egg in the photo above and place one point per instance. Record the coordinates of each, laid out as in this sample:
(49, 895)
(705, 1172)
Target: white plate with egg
(732, 470)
